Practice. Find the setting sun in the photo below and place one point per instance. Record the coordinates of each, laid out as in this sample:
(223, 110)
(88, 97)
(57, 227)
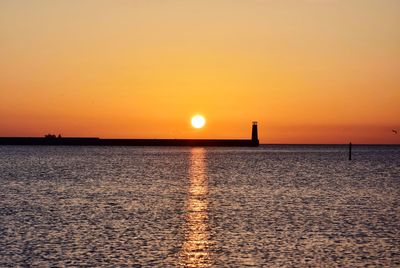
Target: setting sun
(198, 121)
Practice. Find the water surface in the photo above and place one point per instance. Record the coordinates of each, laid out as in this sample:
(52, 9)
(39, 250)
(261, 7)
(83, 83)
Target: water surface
(200, 207)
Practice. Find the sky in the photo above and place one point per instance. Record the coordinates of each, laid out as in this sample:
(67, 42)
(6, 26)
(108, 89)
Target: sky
(309, 71)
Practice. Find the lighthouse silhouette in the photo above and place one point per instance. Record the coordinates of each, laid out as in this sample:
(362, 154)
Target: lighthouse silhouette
(254, 134)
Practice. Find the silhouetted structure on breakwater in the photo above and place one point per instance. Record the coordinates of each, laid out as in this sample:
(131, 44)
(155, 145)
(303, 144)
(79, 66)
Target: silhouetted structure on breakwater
(53, 140)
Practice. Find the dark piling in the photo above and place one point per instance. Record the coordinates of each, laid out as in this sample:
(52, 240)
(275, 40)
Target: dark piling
(350, 145)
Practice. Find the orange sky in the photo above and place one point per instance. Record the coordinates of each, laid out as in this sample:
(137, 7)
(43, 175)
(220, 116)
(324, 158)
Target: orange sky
(309, 71)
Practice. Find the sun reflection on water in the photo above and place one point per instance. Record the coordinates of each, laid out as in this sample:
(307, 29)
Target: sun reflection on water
(196, 248)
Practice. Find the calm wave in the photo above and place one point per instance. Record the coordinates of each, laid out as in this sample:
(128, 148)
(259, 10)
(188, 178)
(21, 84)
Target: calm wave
(200, 207)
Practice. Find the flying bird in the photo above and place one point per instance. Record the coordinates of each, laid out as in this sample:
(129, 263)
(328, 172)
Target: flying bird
(394, 131)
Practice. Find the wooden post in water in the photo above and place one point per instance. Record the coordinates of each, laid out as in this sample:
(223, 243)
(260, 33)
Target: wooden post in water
(350, 151)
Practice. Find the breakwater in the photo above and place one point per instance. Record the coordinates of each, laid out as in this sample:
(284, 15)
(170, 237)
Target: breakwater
(126, 142)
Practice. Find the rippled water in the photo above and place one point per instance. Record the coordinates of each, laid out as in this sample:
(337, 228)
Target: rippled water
(199, 207)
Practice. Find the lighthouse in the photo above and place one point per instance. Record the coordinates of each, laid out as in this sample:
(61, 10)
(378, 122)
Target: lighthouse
(254, 134)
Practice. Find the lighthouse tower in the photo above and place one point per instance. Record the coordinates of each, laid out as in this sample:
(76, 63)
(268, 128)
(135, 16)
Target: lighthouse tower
(254, 134)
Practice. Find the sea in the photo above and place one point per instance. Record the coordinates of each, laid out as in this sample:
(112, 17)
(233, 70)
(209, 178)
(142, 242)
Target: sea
(271, 206)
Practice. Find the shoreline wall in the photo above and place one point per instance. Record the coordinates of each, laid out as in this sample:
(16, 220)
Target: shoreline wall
(126, 142)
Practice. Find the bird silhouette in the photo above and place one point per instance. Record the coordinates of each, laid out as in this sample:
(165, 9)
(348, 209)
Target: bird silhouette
(394, 131)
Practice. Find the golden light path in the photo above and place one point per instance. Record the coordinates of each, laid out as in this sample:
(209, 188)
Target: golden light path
(196, 248)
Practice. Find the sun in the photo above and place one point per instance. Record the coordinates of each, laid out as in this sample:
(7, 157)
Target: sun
(198, 121)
